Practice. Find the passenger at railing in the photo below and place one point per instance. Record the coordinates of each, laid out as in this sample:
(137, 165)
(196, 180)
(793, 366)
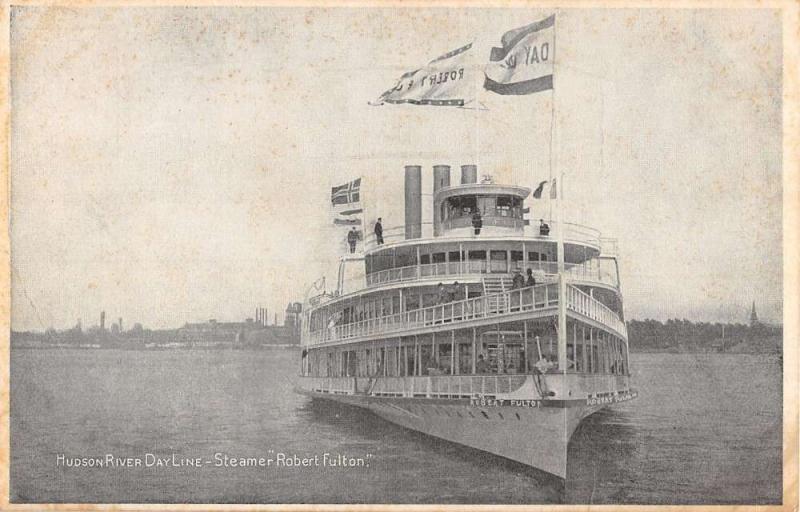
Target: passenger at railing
(352, 239)
(443, 294)
(518, 281)
(455, 292)
(544, 229)
(511, 367)
(530, 281)
(379, 232)
(481, 366)
(477, 221)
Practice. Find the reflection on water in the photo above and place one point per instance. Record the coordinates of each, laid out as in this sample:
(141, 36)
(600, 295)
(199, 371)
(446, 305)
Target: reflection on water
(705, 429)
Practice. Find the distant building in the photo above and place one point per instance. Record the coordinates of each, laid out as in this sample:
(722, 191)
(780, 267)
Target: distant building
(753, 316)
(292, 320)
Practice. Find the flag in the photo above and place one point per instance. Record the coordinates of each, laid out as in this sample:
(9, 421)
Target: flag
(524, 64)
(346, 204)
(347, 193)
(338, 221)
(449, 80)
(553, 190)
(537, 194)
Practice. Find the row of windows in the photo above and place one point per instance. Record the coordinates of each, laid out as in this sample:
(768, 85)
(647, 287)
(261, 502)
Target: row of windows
(589, 350)
(455, 256)
(407, 257)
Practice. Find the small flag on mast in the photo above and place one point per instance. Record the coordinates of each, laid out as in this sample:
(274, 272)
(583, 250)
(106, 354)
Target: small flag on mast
(553, 190)
(449, 80)
(537, 194)
(347, 193)
(346, 204)
(524, 64)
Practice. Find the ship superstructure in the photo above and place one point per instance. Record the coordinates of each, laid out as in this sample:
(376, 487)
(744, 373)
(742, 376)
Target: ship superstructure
(442, 336)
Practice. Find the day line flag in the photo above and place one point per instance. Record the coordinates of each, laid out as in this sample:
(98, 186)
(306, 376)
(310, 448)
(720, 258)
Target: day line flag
(449, 80)
(524, 64)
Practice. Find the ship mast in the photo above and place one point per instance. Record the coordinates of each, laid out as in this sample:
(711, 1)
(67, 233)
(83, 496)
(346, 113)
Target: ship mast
(558, 189)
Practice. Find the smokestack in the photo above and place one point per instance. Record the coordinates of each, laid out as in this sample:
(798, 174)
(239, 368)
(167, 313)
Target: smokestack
(441, 179)
(469, 174)
(413, 201)
(120, 324)
(102, 320)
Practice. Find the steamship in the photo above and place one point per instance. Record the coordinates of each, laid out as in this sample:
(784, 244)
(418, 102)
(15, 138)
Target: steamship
(431, 328)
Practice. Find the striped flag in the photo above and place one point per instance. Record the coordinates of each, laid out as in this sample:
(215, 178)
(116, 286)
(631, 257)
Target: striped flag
(449, 80)
(524, 64)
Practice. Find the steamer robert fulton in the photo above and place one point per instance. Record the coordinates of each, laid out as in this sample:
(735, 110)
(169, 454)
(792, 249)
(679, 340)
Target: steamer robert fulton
(504, 368)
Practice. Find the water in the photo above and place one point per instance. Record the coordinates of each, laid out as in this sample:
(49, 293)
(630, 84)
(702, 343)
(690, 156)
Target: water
(705, 429)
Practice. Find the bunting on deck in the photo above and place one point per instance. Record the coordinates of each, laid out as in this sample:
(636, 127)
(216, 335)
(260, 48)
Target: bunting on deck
(524, 64)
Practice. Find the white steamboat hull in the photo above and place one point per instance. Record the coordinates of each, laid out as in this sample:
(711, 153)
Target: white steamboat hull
(533, 435)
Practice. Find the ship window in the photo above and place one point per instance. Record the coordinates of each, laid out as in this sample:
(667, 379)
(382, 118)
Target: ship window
(454, 256)
(487, 205)
(516, 255)
(498, 255)
(533, 256)
(438, 257)
(544, 256)
(477, 255)
(504, 204)
(406, 258)
(424, 259)
(412, 302)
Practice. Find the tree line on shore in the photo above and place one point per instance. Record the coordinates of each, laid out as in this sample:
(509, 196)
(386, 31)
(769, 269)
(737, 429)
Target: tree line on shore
(681, 335)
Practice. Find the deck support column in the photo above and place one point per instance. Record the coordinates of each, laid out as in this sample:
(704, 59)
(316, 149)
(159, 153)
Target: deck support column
(452, 352)
(474, 349)
(525, 344)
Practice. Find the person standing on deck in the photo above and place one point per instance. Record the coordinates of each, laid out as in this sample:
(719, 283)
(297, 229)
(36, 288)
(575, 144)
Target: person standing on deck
(530, 281)
(477, 221)
(379, 232)
(443, 296)
(352, 238)
(518, 281)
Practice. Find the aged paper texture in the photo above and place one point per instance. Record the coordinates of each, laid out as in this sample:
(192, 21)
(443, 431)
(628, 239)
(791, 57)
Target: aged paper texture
(341, 255)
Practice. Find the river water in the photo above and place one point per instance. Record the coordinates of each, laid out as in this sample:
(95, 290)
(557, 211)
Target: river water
(706, 428)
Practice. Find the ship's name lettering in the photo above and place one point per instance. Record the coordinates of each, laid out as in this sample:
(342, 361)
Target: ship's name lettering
(492, 402)
(600, 400)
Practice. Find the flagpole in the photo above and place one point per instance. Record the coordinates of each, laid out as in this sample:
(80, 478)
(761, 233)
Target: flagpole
(559, 189)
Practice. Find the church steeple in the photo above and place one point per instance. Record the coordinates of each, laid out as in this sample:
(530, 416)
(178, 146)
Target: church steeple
(753, 315)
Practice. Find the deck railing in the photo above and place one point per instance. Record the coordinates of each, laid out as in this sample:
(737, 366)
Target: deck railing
(531, 298)
(576, 233)
(590, 307)
(587, 271)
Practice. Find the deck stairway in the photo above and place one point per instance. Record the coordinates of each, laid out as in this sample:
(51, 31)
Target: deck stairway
(493, 286)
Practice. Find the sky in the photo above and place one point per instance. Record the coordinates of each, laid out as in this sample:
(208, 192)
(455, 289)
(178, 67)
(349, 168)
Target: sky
(174, 164)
